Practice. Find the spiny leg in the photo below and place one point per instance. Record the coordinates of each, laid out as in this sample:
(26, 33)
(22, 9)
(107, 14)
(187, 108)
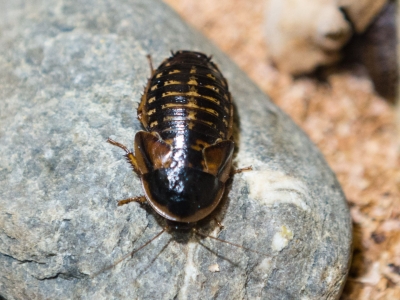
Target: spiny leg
(123, 147)
(139, 199)
(150, 63)
(241, 170)
(129, 155)
(132, 160)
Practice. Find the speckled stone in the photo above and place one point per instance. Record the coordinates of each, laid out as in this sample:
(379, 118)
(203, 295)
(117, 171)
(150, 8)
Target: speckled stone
(71, 75)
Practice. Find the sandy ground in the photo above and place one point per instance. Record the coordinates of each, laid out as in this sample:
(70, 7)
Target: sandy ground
(354, 128)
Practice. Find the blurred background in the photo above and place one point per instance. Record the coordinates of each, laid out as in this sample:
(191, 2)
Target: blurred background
(332, 65)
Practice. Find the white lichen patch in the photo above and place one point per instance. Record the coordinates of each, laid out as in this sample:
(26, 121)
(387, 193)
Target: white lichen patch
(213, 268)
(330, 275)
(272, 187)
(281, 239)
(191, 272)
(264, 268)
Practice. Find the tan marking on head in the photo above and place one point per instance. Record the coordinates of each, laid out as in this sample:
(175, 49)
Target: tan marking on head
(159, 75)
(152, 124)
(174, 71)
(154, 87)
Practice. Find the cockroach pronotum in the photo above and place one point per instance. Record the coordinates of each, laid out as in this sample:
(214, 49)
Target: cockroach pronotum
(184, 157)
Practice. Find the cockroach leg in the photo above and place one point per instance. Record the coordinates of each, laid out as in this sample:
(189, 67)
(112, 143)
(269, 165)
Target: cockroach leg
(139, 199)
(150, 63)
(241, 170)
(129, 155)
(123, 147)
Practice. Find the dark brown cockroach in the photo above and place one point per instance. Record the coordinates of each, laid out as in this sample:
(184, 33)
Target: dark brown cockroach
(184, 157)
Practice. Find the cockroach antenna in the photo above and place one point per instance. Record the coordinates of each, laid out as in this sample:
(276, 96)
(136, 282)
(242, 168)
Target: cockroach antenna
(226, 242)
(130, 254)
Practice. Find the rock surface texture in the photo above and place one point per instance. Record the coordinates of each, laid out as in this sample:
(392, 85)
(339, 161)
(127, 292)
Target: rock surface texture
(71, 74)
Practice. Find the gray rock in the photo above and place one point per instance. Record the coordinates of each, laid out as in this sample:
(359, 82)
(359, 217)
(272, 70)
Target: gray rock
(71, 74)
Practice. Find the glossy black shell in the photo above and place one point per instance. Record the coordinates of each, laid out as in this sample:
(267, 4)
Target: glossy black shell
(188, 107)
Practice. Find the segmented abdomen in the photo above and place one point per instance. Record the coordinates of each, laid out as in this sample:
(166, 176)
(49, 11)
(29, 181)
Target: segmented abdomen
(187, 102)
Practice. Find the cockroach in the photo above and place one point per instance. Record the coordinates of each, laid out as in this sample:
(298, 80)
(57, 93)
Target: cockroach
(184, 156)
